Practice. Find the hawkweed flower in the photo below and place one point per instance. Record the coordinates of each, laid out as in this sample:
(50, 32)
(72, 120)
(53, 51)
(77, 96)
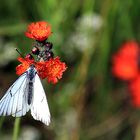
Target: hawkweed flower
(52, 69)
(39, 31)
(126, 67)
(55, 69)
(41, 69)
(25, 64)
(46, 65)
(125, 61)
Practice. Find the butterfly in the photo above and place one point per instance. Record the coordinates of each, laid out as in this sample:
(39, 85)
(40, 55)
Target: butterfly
(26, 94)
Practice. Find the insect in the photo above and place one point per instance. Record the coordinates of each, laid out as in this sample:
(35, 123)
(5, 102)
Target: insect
(26, 94)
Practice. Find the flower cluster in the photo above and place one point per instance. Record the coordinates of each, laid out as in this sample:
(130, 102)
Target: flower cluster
(126, 67)
(47, 66)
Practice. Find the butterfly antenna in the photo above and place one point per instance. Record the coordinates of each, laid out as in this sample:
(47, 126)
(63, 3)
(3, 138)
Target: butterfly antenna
(19, 52)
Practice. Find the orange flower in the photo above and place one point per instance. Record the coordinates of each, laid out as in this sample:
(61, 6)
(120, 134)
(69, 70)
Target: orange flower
(39, 31)
(135, 91)
(54, 69)
(41, 69)
(26, 62)
(129, 49)
(125, 61)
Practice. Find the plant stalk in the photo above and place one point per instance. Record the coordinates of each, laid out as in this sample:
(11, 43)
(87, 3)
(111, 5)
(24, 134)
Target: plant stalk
(16, 129)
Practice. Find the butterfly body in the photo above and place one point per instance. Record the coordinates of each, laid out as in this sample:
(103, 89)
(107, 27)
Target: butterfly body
(31, 78)
(26, 94)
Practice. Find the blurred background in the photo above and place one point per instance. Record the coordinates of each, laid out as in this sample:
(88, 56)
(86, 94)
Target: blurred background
(88, 103)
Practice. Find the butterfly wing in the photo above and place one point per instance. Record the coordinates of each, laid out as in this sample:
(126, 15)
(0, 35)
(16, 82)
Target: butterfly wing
(39, 109)
(14, 102)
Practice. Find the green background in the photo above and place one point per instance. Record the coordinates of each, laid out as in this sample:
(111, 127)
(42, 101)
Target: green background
(88, 103)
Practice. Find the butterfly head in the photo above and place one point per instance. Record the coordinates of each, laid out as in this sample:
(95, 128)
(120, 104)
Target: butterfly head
(32, 66)
(31, 72)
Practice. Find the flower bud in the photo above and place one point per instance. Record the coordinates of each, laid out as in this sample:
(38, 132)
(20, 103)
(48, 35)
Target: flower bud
(35, 51)
(29, 56)
(49, 55)
(48, 45)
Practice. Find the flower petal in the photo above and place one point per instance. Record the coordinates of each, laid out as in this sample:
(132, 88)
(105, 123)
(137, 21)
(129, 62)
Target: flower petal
(55, 69)
(125, 61)
(39, 31)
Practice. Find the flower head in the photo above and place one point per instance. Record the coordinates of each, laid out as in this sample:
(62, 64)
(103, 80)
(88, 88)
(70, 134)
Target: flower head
(39, 31)
(125, 61)
(26, 62)
(41, 69)
(47, 67)
(54, 69)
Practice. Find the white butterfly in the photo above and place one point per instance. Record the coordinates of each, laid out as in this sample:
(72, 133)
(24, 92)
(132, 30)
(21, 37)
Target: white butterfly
(26, 94)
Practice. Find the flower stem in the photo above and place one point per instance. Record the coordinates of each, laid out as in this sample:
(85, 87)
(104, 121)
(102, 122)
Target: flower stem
(16, 129)
(1, 122)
